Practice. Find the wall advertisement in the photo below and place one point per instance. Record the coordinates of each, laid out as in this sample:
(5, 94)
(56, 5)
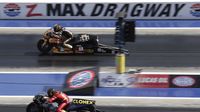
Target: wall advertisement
(175, 10)
(149, 81)
(81, 82)
(184, 81)
(134, 80)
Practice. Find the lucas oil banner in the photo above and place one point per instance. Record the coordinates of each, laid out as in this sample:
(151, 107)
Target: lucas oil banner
(135, 10)
(134, 80)
(150, 80)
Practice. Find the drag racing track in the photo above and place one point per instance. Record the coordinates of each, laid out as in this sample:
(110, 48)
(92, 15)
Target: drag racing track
(19, 51)
(148, 51)
(22, 108)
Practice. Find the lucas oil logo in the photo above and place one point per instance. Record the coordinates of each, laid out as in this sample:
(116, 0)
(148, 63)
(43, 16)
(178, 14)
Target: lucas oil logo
(12, 9)
(81, 79)
(195, 10)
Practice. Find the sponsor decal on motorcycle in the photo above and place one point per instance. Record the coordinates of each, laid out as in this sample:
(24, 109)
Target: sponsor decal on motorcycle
(83, 101)
(183, 81)
(84, 37)
(195, 10)
(12, 9)
(81, 79)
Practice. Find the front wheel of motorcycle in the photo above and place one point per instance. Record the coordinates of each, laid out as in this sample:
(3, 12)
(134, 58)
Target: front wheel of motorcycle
(89, 108)
(33, 107)
(44, 47)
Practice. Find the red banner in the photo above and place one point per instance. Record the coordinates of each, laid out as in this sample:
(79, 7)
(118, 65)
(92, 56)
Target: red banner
(151, 81)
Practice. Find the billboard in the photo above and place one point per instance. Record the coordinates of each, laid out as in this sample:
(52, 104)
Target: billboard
(184, 81)
(136, 10)
(81, 82)
(150, 80)
(134, 80)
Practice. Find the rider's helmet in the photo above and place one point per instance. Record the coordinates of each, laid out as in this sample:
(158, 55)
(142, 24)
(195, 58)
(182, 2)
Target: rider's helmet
(50, 92)
(57, 28)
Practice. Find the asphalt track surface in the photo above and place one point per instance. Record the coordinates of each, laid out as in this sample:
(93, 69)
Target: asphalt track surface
(20, 51)
(22, 108)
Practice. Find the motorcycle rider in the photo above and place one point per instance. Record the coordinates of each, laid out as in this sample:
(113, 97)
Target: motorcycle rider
(57, 31)
(68, 39)
(57, 96)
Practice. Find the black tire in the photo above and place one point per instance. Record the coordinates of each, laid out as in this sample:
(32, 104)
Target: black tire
(82, 111)
(89, 108)
(43, 48)
(33, 107)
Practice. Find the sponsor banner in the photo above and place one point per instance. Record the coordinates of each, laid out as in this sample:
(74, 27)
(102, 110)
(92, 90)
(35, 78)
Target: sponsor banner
(176, 10)
(82, 82)
(114, 80)
(184, 81)
(134, 80)
(150, 81)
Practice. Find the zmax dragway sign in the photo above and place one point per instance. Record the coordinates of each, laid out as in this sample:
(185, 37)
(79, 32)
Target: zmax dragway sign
(110, 10)
(148, 10)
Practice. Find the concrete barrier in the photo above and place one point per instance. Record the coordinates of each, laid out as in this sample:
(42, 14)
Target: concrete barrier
(103, 30)
(171, 102)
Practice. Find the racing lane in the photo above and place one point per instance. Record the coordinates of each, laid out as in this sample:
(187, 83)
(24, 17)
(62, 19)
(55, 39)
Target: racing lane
(21, 108)
(19, 51)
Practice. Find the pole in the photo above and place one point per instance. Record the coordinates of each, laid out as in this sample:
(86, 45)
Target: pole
(119, 41)
(120, 63)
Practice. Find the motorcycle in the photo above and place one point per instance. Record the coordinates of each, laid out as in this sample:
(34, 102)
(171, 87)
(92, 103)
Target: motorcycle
(84, 44)
(40, 104)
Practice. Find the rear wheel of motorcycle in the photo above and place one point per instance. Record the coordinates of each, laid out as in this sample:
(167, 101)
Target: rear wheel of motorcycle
(33, 107)
(44, 48)
(82, 111)
(92, 108)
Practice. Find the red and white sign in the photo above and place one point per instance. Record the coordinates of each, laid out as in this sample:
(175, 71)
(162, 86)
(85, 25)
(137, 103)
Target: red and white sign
(151, 81)
(81, 79)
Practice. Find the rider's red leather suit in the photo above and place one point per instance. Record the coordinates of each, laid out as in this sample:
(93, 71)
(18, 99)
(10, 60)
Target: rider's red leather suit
(61, 98)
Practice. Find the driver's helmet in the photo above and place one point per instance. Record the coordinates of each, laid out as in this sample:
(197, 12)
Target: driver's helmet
(50, 92)
(57, 29)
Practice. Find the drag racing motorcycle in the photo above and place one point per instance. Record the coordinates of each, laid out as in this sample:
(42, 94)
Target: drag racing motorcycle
(40, 104)
(83, 44)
